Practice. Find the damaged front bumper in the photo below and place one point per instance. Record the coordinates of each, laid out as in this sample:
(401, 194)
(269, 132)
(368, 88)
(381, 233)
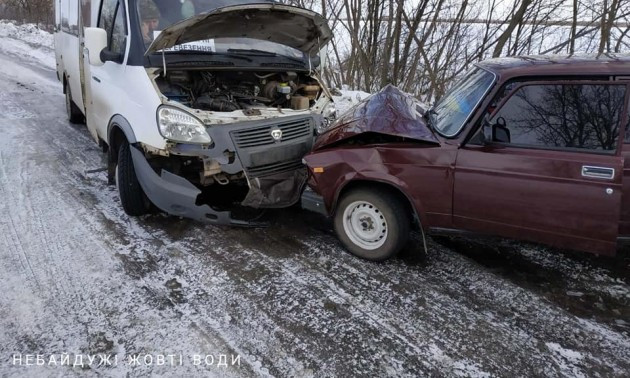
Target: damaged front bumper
(312, 201)
(273, 167)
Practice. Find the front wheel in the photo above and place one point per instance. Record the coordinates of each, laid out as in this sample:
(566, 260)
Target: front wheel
(372, 224)
(134, 200)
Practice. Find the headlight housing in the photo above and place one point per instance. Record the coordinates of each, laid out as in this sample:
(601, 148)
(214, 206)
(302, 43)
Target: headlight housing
(180, 126)
(330, 111)
(330, 114)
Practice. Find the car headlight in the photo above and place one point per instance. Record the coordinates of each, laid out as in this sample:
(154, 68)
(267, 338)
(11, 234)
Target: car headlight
(180, 126)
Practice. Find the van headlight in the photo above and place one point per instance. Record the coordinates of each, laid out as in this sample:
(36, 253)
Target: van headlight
(330, 111)
(180, 126)
(330, 114)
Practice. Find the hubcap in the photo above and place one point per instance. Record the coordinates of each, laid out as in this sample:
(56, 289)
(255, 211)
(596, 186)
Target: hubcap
(365, 225)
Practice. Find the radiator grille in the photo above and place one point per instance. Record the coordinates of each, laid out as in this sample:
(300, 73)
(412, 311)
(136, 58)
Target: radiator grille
(261, 136)
(270, 169)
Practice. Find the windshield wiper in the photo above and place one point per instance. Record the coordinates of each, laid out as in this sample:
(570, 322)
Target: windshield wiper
(254, 52)
(194, 52)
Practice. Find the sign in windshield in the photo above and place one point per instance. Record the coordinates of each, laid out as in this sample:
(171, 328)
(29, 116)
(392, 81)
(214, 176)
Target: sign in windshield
(206, 45)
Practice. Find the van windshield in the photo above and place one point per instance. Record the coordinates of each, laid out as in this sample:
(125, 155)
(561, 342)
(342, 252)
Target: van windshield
(157, 15)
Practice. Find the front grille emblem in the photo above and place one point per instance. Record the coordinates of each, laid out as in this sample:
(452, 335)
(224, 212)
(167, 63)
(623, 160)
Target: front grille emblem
(276, 134)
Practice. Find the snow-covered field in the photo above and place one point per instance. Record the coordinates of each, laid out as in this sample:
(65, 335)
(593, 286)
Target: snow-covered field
(80, 277)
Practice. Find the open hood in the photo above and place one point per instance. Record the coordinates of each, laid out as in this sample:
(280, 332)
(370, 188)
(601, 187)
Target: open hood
(299, 28)
(389, 112)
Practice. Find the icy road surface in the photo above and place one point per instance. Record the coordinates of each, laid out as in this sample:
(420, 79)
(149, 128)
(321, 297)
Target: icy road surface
(78, 276)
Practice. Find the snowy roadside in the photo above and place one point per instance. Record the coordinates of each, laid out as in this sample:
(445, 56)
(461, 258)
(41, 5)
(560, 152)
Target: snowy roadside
(27, 41)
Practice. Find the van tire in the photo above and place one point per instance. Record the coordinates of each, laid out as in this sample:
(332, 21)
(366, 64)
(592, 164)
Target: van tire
(133, 199)
(387, 218)
(74, 113)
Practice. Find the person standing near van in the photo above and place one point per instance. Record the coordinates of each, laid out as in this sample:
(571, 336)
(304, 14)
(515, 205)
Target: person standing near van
(150, 15)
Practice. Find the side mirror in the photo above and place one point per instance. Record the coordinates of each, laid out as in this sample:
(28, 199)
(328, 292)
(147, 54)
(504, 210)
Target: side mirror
(95, 43)
(500, 132)
(109, 56)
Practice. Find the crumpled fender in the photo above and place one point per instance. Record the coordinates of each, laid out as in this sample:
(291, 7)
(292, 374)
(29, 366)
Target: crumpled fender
(343, 166)
(389, 112)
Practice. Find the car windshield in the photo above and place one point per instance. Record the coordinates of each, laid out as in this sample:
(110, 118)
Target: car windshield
(452, 111)
(157, 15)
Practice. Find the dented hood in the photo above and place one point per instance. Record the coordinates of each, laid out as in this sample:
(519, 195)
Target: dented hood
(299, 28)
(389, 112)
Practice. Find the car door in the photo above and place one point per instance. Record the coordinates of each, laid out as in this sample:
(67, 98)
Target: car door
(552, 171)
(101, 81)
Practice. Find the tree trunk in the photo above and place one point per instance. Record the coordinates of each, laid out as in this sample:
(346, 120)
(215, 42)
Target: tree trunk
(516, 20)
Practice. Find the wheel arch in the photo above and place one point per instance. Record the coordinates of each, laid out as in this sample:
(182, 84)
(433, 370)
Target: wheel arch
(417, 213)
(389, 186)
(119, 131)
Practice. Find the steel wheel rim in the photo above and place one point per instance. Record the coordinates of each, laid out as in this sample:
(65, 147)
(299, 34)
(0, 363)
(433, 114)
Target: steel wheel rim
(365, 225)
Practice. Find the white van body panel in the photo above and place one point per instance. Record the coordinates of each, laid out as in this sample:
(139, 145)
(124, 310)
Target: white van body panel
(68, 48)
(128, 92)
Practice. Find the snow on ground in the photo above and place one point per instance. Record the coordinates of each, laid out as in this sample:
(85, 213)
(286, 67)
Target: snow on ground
(27, 41)
(80, 277)
(28, 33)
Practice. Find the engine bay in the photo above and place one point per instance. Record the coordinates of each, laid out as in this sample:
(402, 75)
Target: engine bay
(228, 91)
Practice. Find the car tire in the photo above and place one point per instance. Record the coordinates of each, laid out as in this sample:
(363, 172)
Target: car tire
(74, 113)
(133, 199)
(373, 224)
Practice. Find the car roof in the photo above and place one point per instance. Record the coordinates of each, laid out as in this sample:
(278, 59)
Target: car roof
(559, 65)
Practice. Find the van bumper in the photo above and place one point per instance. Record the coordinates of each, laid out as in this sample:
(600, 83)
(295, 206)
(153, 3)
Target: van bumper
(177, 196)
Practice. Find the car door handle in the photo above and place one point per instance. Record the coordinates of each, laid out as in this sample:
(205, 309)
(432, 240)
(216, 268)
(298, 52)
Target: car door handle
(96, 79)
(598, 172)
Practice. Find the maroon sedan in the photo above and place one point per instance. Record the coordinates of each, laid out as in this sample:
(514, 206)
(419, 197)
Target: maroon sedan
(531, 148)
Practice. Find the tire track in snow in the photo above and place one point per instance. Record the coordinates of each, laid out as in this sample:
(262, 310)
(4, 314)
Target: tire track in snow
(17, 242)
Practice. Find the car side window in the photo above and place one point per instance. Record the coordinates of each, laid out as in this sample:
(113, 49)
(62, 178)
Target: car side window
(112, 19)
(585, 117)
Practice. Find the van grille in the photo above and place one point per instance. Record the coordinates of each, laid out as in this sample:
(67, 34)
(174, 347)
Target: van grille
(270, 169)
(261, 136)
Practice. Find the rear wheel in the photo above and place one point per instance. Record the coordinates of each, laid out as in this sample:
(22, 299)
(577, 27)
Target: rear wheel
(74, 113)
(132, 197)
(373, 224)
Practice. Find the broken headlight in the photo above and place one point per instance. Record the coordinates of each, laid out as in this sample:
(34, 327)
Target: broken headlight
(180, 126)
(330, 114)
